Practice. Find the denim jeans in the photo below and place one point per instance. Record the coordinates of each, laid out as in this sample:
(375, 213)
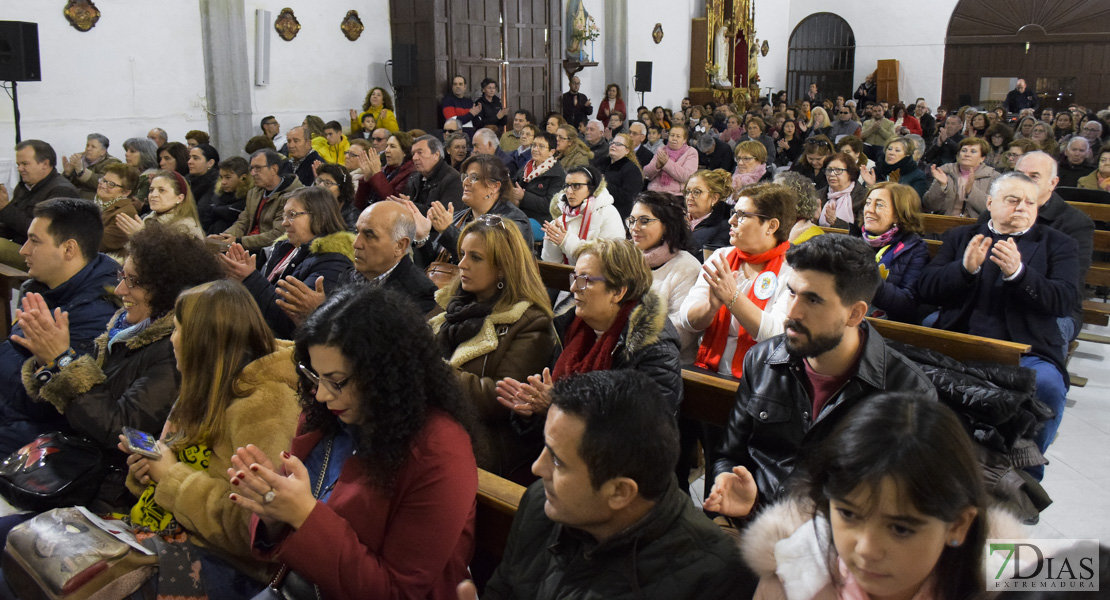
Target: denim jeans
(1052, 390)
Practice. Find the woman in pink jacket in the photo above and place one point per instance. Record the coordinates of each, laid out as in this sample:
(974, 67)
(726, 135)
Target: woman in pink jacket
(673, 164)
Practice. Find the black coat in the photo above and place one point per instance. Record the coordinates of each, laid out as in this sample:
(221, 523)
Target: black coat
(538, 192)
(712, 232)
(441, 185)
(488, 116)
(1022, 310)
(448, 239)
(623, 180)
(16, 217)
(719, 158)
(897, 294)
(223, 212)
(204, 193)
(304, 168)
(770, 425)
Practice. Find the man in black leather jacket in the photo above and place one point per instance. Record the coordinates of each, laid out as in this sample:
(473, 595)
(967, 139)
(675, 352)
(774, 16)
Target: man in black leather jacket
(797, 385)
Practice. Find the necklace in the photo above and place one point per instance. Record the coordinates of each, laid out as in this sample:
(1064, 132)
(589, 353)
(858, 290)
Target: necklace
(323, 469)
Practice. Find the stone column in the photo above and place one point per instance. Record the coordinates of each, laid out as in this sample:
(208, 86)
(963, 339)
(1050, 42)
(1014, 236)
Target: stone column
(615, 38)
(227, 77)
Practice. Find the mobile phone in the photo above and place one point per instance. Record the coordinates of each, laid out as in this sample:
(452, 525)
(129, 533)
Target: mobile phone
(141, 443)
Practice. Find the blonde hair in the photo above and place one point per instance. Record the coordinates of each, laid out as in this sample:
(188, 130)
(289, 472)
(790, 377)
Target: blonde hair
(507, 251)
(622, 265)
(188, 208)
(756, 149)
(719, 181)
(627, 141)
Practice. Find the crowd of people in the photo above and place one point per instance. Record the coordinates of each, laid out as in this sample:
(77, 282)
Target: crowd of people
(330, 334)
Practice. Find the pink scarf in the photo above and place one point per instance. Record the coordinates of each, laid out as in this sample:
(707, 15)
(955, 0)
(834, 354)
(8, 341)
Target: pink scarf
(664, 178)
(740, 180)
(843, 200)
(659, 255)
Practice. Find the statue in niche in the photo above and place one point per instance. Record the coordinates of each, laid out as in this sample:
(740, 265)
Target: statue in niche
(82, 14)
(287, 24)
(577, 21)
(352, 25)
(720, 58)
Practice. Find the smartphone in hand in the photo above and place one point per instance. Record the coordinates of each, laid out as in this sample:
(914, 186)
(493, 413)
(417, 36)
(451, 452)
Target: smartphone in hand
(141, 443)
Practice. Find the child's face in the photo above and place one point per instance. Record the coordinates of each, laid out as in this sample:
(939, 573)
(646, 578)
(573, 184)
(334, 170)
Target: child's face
(333, 136)
(653, 135)
(889, 547)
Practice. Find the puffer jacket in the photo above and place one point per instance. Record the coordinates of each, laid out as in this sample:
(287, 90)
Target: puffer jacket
(770, 425)
(673, 553)
(329, 256)
(897, 294)
(578, 154)
(538, 192)
(649, 344)
(515, 342)
(711, 232)
(605, 223)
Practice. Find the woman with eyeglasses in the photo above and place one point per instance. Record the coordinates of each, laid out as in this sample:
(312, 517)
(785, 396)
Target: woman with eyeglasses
(339, 182)
(618, 322)
(708, 210)
(316, 245)
(570, 149)
(811, 163)
(171, 203)
(841, 201)
(623, 175)
(382, 181)
(899, 166)
(672, 164)
(1014, 151)
(132, 380)
(789, 144)
(586, 213)
(999, 137)
(1044, 136)
(1024, 129)
(742, 297)
(960, 189)
(540, 179)
(376, 496)
(523, 153)
(238, 387)
(751, 165)
(494, 321)
(113, 195)
(892, 226)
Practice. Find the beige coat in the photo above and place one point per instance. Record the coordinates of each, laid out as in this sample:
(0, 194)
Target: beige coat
(946, 200)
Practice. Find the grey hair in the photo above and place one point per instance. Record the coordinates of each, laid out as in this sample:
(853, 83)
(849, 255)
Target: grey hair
(1053, 169)
(808, 201)
(404, 226)
(1095, 122)
(100, 138)
(434, 145)
(485, 135)
(638, 125)
(918, 145)
(1005, 178)
(597, 122)
(148, 152)
(1082, 140)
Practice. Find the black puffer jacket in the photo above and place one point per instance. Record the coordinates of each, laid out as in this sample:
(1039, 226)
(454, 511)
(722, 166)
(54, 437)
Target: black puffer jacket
(711, 232)
(770, 425)
(649, 344)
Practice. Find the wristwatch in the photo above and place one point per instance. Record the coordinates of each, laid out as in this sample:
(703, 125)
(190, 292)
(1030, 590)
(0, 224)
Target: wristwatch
(55, 366)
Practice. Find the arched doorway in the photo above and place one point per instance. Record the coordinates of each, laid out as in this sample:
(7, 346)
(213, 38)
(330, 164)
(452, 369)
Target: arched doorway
(1059, 48)
(822, 51)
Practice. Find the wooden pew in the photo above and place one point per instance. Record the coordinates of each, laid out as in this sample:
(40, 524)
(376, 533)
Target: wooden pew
(10, 279)
(498, 500)
(938, 224)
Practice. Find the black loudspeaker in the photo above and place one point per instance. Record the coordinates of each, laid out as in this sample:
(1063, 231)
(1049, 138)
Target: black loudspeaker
(404, 65)
(19, 51)
(643, 76)
(964, 100)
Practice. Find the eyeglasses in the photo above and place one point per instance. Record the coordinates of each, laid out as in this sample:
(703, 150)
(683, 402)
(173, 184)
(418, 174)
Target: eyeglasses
(843, 112)
(694, 193)
(111, 185)
(642, 221)
(290, 215)
(257, 168)
(562, 138)
(740, 215)
(378, 139)
(745, 159)
(470, 178)
(334, 386)
(835, 172)
(579, 283)
(572, 187)
(817, 143)
(540, 147)
(131, 281)
(325, 183)
(618, 144)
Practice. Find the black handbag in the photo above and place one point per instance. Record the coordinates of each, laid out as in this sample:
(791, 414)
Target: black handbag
(53, 471)
(288, 585)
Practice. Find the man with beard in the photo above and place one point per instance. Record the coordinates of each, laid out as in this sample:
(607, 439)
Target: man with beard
(797, 385)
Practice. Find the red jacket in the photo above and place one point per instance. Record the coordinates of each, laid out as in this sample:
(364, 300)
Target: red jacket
(603, 111)
(415, 543)
(911, 123)
(378, 187)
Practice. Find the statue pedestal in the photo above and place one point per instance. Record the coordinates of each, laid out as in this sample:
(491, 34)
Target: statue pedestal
(572, 67)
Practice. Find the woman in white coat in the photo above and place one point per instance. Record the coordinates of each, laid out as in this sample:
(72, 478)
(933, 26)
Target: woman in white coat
(585, 212)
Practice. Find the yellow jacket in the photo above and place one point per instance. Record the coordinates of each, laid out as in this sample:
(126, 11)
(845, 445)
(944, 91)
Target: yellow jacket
(336, 154)
(385, 118)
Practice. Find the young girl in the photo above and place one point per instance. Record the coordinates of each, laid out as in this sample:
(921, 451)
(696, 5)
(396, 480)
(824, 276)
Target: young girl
(895, 505)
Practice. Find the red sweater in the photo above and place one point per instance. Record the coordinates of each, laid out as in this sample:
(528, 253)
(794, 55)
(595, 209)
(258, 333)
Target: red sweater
(603, 111)
(415, 543)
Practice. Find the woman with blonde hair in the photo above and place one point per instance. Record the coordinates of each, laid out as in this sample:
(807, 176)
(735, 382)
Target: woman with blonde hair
(238, 387)
(495, 323)
(751, 165)
(708, 207)
(570, 150)
(171, 203)
(819, 123)
(1044, 136)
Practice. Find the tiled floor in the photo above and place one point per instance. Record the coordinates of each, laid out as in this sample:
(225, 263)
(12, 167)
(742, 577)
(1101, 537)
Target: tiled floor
(1078, 476)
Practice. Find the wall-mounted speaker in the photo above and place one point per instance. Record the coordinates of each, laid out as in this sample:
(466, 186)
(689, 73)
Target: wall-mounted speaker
(263, 22)
(19, 51)
(404, 65)
(643, 76)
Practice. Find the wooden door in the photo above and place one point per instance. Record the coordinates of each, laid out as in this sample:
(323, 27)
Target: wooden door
(886, 81)
(476, 42)
(527, 44)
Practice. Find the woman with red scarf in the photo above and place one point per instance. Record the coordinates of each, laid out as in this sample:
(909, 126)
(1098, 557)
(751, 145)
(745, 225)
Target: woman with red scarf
(741, 298)
(538, 180)
(618, 322)
(586, 212)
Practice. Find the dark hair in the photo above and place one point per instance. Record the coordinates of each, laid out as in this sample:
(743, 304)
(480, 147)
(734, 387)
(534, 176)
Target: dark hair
(334, 126)
(259, 142)
(43, 151)
(849, 163)
(775, 201)
(167, 261)
(434, 145)
(923, 447)
(128, 175)
(670, 209)
(180, 154)
(73, 219)
(550, 138)
(629, 429)
(262, 123)
(488, 81)
(273, 159)
(343, 177)
(528, 116)
(209, 152)
(398, 373)
(201, 137)
(850, 261)
(492, 170)
(322, 209)
(591, 173)
(235, 164)
(404, 140)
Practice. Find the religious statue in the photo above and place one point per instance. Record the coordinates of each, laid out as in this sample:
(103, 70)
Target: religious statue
(720, 58)
(577, 21)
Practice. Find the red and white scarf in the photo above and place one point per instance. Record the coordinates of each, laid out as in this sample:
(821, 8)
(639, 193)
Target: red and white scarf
(532, 170)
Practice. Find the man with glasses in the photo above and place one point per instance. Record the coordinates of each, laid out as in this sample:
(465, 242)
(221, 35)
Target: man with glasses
(638, 132)
(259, 225)
(576, 107)
(68, 274)
(380, 139)
(301, 156)
(272, 129)
(843, 124)
(1092, 132)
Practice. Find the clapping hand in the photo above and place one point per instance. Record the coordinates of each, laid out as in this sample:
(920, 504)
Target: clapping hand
(976, 252)
(721, 280)
(276, 498)
(128, 225)
(526, 399)
(733, 494)
(297, 300)
(939, 176)
(441, 217)
(555, 232)
(45, 333)
(868, 175)
(516, 193)
(661, 157)
(1005, 254)
(238, 263)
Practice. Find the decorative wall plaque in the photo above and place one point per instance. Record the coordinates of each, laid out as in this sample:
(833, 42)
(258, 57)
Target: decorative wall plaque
(287, 24)
(82, 14)
(657, 33)
(765, 48)
(352, 25)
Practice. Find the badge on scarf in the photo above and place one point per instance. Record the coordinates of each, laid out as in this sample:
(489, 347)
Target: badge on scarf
(765, 285)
